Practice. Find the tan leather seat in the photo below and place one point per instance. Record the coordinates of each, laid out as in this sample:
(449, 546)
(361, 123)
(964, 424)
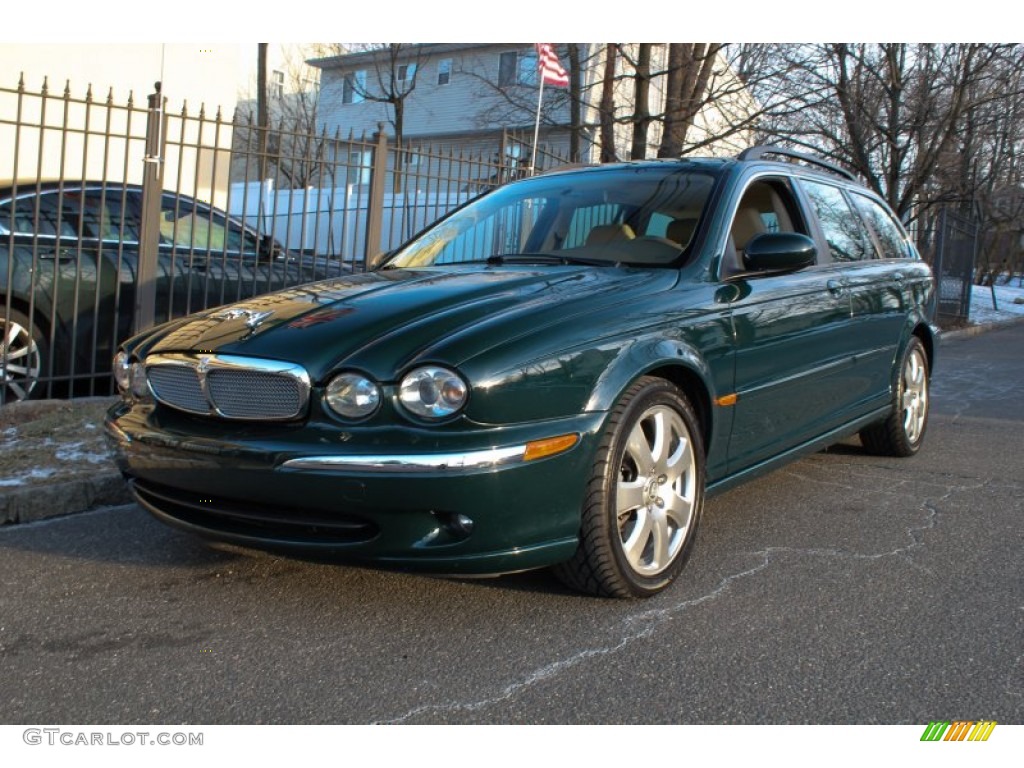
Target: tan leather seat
(681, 231)
(607, 233)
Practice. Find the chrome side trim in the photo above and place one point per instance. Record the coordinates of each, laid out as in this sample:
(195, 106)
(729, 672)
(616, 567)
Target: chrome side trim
(204, 363)
(470, 461)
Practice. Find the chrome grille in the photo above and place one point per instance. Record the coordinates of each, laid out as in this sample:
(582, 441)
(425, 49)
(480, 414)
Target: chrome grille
(229, 386)
(178, 386)
(241, 394)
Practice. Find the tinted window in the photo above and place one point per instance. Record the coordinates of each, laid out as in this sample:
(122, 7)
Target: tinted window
(198, 228)
(890, 236)
(45, 214)
(112, 215)
(847, 238)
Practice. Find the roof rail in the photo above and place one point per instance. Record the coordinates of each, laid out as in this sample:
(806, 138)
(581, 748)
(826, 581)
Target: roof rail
(756, 153)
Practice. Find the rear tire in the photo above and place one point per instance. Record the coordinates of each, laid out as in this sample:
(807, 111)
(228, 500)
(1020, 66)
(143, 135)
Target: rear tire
(902, 432)
(644, 497)
(23, 357)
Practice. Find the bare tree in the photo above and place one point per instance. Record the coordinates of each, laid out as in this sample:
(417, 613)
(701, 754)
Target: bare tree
(642, 118)
(606, 107)
(891, 111)
(262, 113)
(396, 68)
(282, 141)
(689, 70)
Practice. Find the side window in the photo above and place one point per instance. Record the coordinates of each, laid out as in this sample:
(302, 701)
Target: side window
(767, 205)
(890, 237)
(847, 238)
(198, 228)
(112, 215)
(55, 215)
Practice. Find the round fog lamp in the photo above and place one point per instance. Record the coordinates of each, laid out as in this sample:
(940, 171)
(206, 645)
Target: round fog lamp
(352, 396)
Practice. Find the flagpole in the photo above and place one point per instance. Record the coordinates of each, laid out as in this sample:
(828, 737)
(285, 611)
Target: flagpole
(536, 125)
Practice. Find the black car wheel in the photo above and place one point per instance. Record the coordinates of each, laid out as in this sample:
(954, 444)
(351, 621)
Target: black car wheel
(644, 498)
(902, 432)
(22, 357)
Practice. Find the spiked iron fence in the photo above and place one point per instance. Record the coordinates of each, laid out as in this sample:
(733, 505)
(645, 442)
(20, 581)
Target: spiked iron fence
(115, 216)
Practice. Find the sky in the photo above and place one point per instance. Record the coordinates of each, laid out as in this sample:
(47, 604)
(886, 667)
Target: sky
(533, 20)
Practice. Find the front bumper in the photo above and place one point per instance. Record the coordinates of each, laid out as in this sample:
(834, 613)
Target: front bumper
(462, 501)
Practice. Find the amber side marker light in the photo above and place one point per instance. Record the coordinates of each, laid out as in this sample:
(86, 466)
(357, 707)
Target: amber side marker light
(538, 449)
(727, 400)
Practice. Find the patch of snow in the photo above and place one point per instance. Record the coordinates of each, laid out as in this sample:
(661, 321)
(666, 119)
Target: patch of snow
(982, 311)
(90, 425)
(10, 433)
(32, 474)
(73, 452)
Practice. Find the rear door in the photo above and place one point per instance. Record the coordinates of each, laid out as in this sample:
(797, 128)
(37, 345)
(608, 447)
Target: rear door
(875, 286)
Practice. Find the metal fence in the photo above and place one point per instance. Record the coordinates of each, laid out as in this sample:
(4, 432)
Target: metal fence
(116, 216)
(949, 241)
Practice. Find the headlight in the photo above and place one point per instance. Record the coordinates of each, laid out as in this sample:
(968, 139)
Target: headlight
(139, 384)
(122, 372)
(352, 396)
(433, 392)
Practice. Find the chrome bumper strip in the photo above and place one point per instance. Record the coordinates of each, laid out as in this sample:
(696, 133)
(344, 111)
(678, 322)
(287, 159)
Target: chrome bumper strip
(470, 461)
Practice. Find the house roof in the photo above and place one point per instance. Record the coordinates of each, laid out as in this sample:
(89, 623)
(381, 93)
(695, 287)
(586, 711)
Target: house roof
(408, 51)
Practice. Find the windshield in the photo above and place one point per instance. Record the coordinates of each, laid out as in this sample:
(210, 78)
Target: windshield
(625, 215)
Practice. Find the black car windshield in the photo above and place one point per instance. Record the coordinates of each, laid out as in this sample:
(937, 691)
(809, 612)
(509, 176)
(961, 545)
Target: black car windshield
(623, 215)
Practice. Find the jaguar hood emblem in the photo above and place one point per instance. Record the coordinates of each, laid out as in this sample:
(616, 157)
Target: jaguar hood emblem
(253, 317)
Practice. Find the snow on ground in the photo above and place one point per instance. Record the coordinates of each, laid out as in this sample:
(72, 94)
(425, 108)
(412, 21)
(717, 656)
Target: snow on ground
(982, 312)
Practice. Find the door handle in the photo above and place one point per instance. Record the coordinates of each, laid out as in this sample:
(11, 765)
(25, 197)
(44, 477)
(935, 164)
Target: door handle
(836, 287)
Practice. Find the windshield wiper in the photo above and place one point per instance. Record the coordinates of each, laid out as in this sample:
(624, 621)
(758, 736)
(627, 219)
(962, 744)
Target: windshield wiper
(545, 258)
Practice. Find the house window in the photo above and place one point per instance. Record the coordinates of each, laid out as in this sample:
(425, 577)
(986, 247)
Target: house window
(444, 71)
(358, 169)
(277, 83)
(406, 72)
(354, 88)
(515, 68)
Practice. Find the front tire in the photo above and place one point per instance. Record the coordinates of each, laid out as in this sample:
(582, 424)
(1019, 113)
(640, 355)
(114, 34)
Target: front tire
(644, 498)
(23, 356)
(902, 432)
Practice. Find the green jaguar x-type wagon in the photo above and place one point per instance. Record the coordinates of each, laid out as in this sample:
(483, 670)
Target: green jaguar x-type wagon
(553, 375)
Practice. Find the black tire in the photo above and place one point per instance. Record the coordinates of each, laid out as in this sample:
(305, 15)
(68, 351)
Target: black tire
(23, 357)
(902, 432)
(644, 497)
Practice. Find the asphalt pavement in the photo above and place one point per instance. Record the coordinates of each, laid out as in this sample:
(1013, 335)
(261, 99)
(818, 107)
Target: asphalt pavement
(844, 588)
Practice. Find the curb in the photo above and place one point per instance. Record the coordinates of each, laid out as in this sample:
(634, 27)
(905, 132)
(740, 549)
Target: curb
(33, 503)
(976, 330)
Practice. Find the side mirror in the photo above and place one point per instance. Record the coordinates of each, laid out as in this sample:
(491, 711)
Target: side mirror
(268, 249)
(779, 252)
(377, 260)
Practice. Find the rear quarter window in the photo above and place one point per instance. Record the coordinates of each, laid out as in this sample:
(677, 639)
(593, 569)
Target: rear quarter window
(888, 233)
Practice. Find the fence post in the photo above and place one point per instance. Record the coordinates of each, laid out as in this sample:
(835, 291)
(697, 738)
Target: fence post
(378, 182)
(149, 230)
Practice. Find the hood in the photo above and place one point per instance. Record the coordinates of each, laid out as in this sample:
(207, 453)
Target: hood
(383, 322)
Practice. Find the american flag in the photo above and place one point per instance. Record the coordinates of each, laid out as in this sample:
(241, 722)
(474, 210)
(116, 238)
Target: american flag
(551, 70)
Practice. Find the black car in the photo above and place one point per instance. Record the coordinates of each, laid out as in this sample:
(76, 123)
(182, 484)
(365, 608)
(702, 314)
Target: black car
(69, 256)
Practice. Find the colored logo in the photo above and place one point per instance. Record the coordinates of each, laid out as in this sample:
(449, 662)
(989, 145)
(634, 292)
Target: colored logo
(958, 730)
(322, 316)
